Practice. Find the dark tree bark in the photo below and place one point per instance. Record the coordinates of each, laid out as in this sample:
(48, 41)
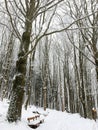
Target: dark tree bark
(15, 107)
(14, 111)
(82, 87)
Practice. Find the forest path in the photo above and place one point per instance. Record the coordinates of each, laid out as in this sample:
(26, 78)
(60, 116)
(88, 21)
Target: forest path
(65, 121)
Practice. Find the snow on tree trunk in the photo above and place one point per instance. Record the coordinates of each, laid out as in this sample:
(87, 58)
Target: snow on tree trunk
(15, 107)
(5, 71)
(14, 111)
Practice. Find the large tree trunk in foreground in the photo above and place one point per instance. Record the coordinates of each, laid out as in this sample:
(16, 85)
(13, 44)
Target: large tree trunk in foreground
(14, 111)
(15, 107)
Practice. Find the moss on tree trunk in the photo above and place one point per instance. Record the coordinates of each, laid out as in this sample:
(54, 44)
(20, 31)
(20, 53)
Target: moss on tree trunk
(14, 111)
(15, 107)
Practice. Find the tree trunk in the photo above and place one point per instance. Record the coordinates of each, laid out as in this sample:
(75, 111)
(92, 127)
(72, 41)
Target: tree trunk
(82, 87)
(5, 71)
(14, 111)
(15, 107)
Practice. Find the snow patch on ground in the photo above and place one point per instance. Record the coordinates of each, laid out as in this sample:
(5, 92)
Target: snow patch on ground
(53, 120)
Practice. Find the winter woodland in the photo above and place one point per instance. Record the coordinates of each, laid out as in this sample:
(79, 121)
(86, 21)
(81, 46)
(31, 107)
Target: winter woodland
(49, 55)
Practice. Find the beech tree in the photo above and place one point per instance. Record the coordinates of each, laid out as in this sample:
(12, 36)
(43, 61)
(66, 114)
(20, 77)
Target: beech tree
(29, 10)
(32, 20)
(87, 29)
(5, 69)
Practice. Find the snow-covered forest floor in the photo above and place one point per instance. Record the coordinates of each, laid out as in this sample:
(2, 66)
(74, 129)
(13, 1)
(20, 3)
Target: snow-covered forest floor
(55, 120)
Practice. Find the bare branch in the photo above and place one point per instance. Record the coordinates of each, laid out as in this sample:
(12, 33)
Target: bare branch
(19, 8)
(17, 33)
(22, 6)
(81, 51)
(53, 32)
(66, 28)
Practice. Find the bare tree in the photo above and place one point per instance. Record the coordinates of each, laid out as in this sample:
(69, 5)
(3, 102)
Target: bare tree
(87, 29)
(34, 27)
(29, 10)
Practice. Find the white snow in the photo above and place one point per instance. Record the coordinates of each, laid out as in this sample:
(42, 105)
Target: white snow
(53, 120)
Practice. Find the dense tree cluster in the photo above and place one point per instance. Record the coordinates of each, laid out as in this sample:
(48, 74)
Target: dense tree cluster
(49, 55)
